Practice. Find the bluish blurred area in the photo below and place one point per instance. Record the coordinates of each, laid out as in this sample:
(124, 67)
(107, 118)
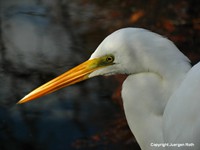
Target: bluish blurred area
(39, 42)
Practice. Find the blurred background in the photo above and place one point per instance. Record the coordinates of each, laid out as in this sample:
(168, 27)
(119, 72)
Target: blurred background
(40, 39)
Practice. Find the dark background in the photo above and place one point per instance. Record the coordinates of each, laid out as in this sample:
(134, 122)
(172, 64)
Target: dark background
(40, 39)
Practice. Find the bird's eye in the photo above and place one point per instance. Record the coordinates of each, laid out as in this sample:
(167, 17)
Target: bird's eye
(109, 59)
(106, 60)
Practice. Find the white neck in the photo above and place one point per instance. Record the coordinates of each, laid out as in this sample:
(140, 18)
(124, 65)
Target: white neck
(145, 96)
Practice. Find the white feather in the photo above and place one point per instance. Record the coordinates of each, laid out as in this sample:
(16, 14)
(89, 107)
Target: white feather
(159, 83)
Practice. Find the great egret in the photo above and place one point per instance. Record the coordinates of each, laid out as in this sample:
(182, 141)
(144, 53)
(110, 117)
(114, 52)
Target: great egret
(161, 95)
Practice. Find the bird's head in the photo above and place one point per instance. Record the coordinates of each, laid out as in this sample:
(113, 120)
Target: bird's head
(126, 51)
(104, 61)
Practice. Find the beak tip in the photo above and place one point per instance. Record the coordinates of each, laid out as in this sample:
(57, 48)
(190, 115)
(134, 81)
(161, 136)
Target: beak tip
(23, 100)
(20, 102)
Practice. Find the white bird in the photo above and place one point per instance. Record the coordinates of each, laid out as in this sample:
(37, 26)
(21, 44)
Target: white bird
(161, 94)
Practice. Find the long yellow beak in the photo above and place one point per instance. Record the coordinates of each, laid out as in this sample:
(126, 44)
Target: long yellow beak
(70, 77)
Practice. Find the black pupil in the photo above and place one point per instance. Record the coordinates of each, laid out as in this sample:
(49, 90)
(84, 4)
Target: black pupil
(109, 59)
